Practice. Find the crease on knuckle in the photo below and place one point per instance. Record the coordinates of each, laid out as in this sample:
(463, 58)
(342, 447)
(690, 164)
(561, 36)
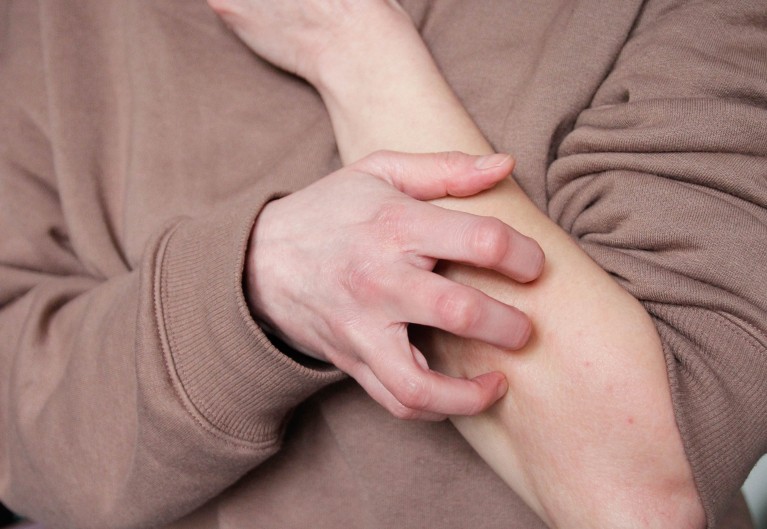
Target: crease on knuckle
(457, 311)
(360, 280)
(451, 164)
(489, 242)
(341, 326)
(452, 161)
(390, 224)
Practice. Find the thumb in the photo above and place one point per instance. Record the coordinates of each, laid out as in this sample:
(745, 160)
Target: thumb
(430, 176)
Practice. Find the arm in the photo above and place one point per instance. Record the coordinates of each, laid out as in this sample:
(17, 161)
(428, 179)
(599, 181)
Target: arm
(638, 210)
(124, 402)
(333, 270)
(595, 365)
(135, 384)
(379, 255)
(593, 383)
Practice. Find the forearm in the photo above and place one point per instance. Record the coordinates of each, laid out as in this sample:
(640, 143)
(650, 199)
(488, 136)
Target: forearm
(389, 94)
(589, 395)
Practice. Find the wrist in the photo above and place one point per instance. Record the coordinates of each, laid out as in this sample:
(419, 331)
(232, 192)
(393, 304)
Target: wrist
(396, 73)
(257, 264)
(371, 48)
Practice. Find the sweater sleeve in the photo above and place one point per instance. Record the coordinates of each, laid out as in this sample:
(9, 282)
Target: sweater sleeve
(131, 397)
(663, 181)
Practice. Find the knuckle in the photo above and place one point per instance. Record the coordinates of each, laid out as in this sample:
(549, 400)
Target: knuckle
(341, 327)
(412, 393)
(360, 280)
(458, 311)
(390, 224)
(489, 241)
(451, 161)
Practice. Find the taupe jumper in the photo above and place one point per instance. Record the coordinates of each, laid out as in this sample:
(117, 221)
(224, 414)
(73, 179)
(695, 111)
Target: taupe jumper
(138, 142)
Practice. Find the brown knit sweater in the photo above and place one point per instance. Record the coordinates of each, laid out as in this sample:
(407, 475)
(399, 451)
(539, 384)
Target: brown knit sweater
(138, 141)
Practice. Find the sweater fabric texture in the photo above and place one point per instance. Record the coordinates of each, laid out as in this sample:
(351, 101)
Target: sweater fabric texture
(139, 141)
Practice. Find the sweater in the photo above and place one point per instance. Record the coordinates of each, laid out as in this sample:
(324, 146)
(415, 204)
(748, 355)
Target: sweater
(139, 141)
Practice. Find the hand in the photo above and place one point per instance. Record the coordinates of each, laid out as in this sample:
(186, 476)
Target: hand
(341, 267)
(296, 35)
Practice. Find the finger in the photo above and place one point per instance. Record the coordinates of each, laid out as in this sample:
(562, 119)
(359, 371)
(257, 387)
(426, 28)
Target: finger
(485, 242)
(394, 364)
(373, 387)
(426, 298)
(429, 176)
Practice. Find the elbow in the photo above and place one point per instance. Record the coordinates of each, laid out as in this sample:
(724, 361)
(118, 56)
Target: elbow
(680, 509)
(661, 507)
(628, 503)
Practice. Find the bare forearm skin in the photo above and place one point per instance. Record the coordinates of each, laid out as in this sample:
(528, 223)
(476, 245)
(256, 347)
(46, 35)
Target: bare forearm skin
(586, 433)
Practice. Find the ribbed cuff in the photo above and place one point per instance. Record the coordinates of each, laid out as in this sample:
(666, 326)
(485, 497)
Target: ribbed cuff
(717, 375)
(233, 376)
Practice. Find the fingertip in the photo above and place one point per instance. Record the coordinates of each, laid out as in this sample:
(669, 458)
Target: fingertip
(530, 258)
(520, 335)
(494, 167)
(498, 381)
(484, 173)
(497, 386)
(502, 387)
(538, 261)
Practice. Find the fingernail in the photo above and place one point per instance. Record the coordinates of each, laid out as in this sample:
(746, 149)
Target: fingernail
(491, 161)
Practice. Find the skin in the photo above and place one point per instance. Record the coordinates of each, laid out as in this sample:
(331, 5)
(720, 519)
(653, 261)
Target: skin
(338, 281)
(586, 433)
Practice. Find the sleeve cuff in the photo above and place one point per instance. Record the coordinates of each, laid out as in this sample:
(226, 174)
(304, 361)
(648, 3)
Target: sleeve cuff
(232, 375)
(718, 400)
